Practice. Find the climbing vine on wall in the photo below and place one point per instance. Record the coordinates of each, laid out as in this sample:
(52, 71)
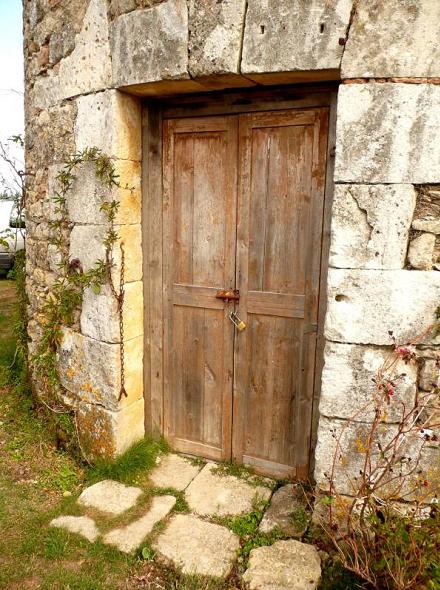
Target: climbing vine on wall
(63, 304)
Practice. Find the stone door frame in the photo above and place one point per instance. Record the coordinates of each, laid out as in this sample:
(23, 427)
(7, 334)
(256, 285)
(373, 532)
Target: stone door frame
(214, 103)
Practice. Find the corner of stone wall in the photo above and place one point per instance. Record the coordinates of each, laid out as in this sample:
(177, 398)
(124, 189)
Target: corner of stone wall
(70, 105)
(384, 255)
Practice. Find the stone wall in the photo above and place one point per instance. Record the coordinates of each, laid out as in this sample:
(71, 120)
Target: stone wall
(384, 255)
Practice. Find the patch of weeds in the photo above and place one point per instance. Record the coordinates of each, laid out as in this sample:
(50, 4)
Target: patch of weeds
(139, 458)
(64, 479)
(181, 504)
(245, 472)
(259, 540)
(246, 527)
(195, 461)
(335, 577)
(55, 544)
(300, 519)
(153, 576)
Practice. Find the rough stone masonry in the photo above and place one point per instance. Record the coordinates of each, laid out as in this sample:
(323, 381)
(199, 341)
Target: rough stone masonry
(385, 231)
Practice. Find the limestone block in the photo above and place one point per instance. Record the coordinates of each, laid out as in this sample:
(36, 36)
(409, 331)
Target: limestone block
(428, 225)
(393, 39)
(430, 374)
(54, 258)
(174, 471)
(100, 318)
(91, 369)
(87, 68)
(215, 33)
(347, 382)
(343, 444)
(370, 225)
(46, 91)
(222, 495)
(105, 433)
(195, 546)
(421, 252)
(129, 538)
(427, 214)
(288, 512)
(387, 133)
(49, 136)
(364, 305)
(111, 121)
(88, 193)
(86, 244)
(285, 565)
(110, 496)
(281, 36)
(81, 525)
(61, 44)
(150, 45)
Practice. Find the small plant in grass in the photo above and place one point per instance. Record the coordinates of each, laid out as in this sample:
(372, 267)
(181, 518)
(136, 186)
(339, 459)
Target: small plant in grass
(148, 554)
(196, 461)
(300, 518)
(387, 531)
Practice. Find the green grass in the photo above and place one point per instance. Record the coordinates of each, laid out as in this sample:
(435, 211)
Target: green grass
(181, 504)
(246, 527)
(138, 459)
(7, 340)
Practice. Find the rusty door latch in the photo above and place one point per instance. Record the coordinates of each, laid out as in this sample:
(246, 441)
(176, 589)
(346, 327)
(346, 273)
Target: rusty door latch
(228, 294)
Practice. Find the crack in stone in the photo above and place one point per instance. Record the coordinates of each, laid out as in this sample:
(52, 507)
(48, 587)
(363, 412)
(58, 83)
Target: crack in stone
(364, 215)
(240, 53)
(347, 30)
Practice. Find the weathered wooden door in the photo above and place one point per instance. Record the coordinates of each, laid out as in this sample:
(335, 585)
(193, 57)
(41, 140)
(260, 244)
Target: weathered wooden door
(243, 209)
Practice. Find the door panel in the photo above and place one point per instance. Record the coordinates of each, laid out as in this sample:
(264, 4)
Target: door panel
(281, 191)
(246, 395)
(200, 183)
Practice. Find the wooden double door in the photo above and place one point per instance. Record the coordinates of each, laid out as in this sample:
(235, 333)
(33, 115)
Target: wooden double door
(243, 210)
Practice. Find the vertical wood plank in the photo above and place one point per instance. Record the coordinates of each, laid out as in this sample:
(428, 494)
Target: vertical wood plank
(199, 201)
(325, 250)
(152, 269)
(282, 173)
(304, 405)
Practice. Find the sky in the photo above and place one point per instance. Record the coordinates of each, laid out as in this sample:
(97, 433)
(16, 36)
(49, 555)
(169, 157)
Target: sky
(11, 71)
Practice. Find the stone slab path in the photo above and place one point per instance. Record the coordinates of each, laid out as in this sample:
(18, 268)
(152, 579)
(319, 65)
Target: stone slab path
(110, 496)
(190, 542)
(198, 547)
(130, 537)
(174, 471)
(287, 512)
(211, 494)
(81, 525)
(285, 565)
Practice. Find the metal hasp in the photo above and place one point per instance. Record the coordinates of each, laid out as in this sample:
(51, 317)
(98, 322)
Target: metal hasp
(228, 294)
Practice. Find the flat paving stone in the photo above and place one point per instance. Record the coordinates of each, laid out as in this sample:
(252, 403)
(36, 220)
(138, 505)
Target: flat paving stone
(110, 496)
(197, 547)
(285, 565)
(129, 538)
(81, 525)
(288, 511)
(222, 495)
(175, 472)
